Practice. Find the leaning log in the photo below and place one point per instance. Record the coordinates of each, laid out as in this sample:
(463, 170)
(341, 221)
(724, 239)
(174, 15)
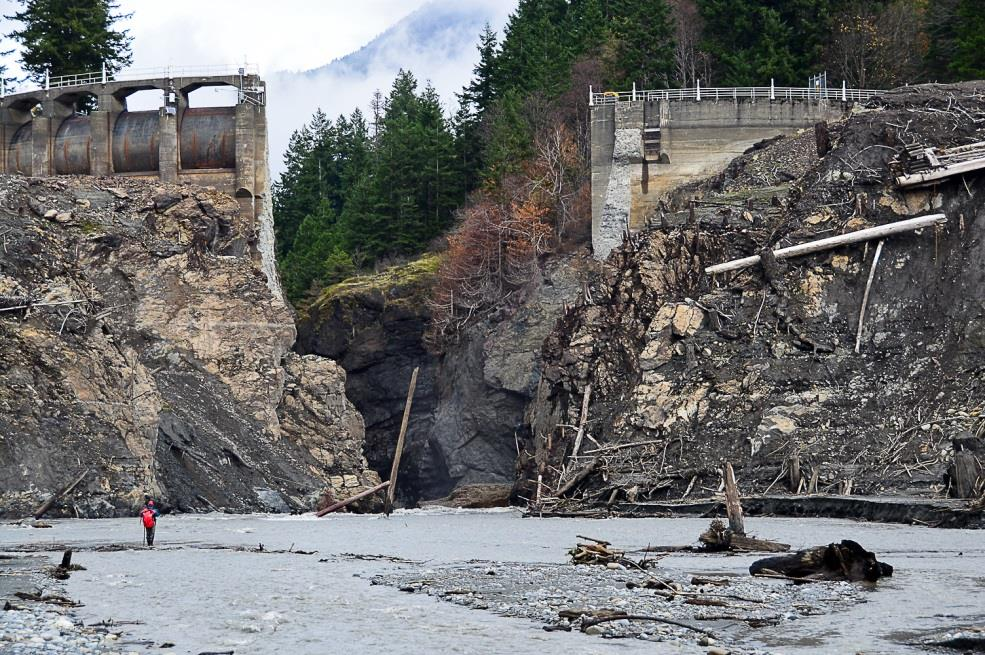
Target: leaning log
(395, 469)
(582, 473)
(586, 398)
(843, 561)
(857, 236)
(67, 489)
(342, 503)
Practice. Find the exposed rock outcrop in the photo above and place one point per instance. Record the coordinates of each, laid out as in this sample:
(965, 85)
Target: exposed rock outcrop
(139, 340)
(467, 418)
(759, 367)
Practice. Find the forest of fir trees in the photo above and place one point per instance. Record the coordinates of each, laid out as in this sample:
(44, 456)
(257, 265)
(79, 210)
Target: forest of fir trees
(501, 180)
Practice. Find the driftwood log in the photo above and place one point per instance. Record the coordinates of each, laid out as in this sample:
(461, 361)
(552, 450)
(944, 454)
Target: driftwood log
(829, 243)
(578, 477)
(67, 489)
(719, 538)
(843, 561)
(342, 503)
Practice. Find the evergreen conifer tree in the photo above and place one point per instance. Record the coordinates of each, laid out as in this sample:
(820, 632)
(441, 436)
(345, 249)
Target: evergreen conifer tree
(65, 37)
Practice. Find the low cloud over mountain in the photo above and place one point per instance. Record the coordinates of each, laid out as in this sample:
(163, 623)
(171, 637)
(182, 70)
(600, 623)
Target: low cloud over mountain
(437, 43)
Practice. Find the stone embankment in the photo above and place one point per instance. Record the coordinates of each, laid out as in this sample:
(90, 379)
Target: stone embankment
(762, 367)
(140, 342)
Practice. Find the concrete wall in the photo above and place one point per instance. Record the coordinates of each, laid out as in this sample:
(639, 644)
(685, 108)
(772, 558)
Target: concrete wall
(223, 149)
(151, 146)
(696, 139)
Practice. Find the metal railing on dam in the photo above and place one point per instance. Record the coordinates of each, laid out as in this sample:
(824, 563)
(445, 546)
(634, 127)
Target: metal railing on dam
(699, 93)
(104, 76)
(646, 143)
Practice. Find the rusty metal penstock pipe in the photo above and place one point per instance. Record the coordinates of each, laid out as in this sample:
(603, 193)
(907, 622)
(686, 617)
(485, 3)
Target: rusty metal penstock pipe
(19, 155)
(207, 137)
(73, 143)
(136, 136)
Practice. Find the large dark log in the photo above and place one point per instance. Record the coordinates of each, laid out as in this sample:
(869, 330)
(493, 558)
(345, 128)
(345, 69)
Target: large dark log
(964, 472)
(844, 561)
(822, 138)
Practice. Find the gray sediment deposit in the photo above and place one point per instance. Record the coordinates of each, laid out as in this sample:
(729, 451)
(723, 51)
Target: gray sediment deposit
(726, 608)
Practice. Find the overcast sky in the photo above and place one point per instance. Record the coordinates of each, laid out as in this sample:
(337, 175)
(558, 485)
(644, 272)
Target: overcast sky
(277, 35)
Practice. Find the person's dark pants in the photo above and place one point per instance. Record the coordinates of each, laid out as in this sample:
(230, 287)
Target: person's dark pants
(149, 535)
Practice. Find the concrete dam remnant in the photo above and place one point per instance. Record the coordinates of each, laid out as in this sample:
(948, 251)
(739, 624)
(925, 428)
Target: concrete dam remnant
(646, 143)
(42, 134)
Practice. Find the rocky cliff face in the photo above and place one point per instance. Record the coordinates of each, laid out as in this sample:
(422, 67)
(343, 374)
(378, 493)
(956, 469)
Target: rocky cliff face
(467, 417)
(758, 367)
(139, 341)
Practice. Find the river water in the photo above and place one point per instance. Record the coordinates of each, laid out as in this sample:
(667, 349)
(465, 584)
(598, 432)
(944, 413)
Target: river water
(204, 599)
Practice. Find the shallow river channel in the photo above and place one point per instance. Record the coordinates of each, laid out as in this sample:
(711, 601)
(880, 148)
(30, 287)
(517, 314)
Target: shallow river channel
(209, 599)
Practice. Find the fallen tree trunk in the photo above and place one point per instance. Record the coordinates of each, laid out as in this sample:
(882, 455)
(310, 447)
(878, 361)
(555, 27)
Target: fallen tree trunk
(67, 489)
(582, 473)
(342, 503)
(926, 177)
(833, 242)
(587, 623)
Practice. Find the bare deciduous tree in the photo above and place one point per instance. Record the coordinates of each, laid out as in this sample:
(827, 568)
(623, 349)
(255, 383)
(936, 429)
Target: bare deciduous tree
(875, 46)
(690, 62)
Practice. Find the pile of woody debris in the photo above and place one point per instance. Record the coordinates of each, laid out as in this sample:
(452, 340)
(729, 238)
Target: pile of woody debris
(919, 165)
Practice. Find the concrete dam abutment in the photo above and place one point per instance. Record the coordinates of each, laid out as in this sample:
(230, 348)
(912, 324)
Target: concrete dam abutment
(42, 134)
(645, 144)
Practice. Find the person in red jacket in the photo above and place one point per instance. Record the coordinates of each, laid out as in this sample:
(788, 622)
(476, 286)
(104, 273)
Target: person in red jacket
(148, 517)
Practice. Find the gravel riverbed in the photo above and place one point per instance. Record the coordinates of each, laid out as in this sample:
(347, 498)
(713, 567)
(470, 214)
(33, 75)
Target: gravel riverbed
(31, 628)
(720, 608)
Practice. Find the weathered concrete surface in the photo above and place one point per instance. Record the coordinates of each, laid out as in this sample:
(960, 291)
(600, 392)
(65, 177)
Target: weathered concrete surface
(697, 139)
(225, 147)
(166, 372)
(623, 176)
